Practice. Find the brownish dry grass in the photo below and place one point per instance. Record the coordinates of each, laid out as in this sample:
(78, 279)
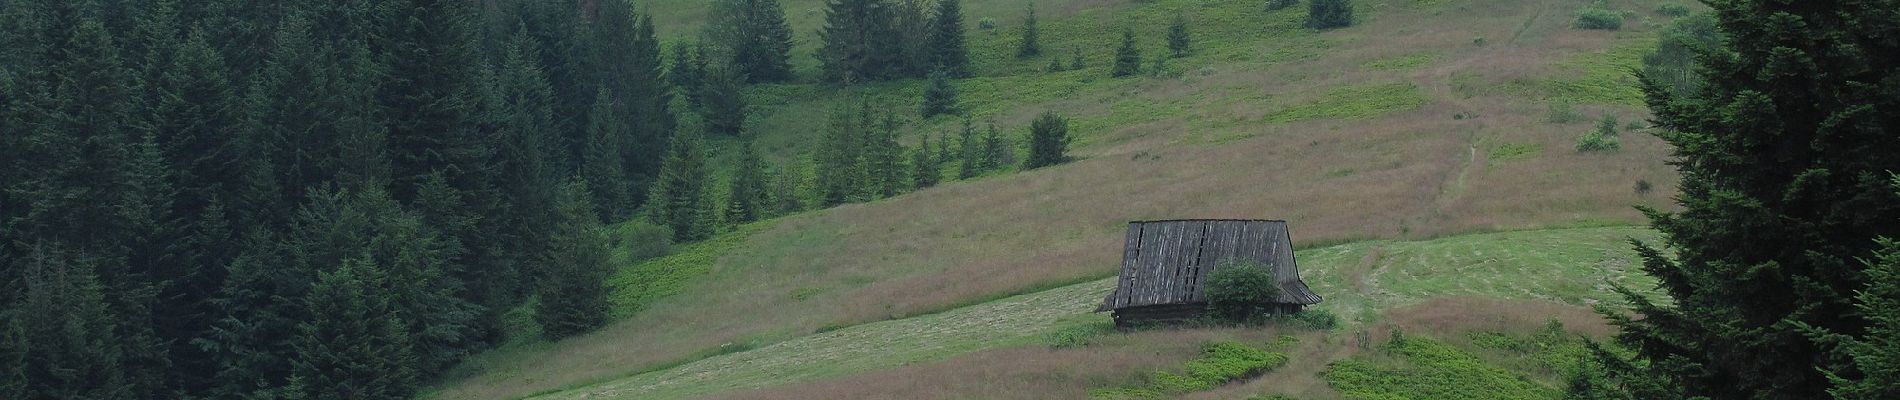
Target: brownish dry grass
(1410, 174)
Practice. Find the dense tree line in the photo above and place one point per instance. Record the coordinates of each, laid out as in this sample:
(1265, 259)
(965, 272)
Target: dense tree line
(231, 199)
(877, 40)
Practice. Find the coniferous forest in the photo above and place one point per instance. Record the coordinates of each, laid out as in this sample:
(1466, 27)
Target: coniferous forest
(349, 199)
(339, 199)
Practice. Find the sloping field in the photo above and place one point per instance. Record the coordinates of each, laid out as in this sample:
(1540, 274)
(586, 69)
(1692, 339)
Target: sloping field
(1406, 126)
(1360, 279)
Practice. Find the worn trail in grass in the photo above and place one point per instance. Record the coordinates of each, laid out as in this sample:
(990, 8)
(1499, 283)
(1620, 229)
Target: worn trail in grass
(1559, 265)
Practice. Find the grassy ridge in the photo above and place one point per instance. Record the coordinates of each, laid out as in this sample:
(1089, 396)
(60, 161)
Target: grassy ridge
(1410, 162)
(1546, 264)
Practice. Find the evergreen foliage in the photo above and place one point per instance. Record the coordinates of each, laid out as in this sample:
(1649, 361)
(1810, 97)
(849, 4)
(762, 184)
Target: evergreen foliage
(1785, 154)
(947, 52)
(602, 163)
(1127, 56)
(884, 158)
(996, 151)
(755, 37)
(839, 161)
(1328, 14)
(1029, 47)
(679, 196)
(300, 200)
(926, 170)
(1179, 40)
(573, 297)
(971, 152)
(722, 101)
(1048, 141)
(687, 73)
(860, 42)
(940, 95)
(750, 195)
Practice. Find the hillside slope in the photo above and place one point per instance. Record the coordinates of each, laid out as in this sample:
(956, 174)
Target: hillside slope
(1404, 126)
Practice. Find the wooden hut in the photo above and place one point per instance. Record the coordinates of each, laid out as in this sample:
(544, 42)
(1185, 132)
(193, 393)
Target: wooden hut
(1164, 263)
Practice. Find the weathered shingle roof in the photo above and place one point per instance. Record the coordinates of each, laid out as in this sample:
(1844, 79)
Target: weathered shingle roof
(1164, 262)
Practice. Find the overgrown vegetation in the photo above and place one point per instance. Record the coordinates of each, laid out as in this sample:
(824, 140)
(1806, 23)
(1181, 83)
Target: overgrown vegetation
(1218, 364)
(1241, 292)
(1598, 16)
(1424, 368)
(1602, 138)
(1328, 14)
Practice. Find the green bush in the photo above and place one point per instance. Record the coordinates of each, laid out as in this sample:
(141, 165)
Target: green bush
(1328, 14)
(1603, 138)
(1312, 319)
(1598, 17)
(1218, 364)
(1672, 9)
(640, 240)
(1277, 5)
(1562, 113)
(1079, 331)
(1241, 292)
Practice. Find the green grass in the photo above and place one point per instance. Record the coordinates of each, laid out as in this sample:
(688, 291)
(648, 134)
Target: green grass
(637, 285)
(1014, 321)
(1607, 77)
(1559, 264)
(1423, 368)
(1218, 364)
(1500, 153)
(1355, 102)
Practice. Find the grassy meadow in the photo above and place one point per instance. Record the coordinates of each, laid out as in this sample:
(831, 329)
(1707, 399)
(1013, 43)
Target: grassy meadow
(1386, 146)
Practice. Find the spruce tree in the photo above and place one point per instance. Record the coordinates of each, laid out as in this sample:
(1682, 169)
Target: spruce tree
(911, 20)
(351, 346)
(946, 48)
(688, 73)
(601, 162)
(884, 158)
(573, 298)
(1048, 141)
(723, 103)
(940, 97)
(755, 36)
(996, 151)
(970, 152)
(1179, 42)
(65, 331)
(925, 170)
(527, 144)
(860, 42)
(1028, 47)
(789, 191)
(1328, 14)
(1127, 57)
(750, 192)
(429, 93)
(839, 161)
(1785, 188)
(679, 193)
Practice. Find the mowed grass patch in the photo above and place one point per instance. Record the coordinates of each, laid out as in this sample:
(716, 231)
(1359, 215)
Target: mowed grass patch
(1014, 321)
